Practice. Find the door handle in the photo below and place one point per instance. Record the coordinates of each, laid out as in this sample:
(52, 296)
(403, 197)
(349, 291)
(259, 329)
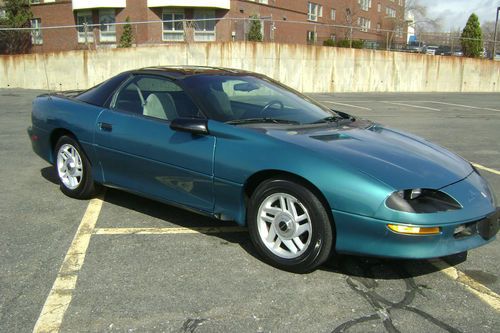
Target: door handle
(105, 127)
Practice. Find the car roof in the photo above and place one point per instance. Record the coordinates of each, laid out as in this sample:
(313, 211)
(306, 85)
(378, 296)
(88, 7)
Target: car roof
(180, 72)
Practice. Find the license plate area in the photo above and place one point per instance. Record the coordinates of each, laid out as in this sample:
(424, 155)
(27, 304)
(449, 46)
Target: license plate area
(488, 227)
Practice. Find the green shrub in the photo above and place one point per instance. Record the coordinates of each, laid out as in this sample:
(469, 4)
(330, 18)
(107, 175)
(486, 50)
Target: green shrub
(127, 37)
(329, 42)
(358, 44)
(255, 34)
(472, 39)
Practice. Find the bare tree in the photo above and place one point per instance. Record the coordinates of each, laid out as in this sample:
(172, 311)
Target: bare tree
(350, 15)
(488, 29)
(421, 20)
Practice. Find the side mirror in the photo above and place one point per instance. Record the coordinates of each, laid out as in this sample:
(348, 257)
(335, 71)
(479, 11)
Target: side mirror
(190, 125)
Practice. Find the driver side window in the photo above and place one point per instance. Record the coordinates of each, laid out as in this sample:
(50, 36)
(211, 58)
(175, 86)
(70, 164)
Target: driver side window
(155, 97)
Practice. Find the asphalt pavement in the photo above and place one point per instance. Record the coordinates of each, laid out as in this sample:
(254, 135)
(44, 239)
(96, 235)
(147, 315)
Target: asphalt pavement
(147, 268)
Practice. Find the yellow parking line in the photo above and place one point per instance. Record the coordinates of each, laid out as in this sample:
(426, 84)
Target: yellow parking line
(166, 231)
(484, 293)
(60, 295)
(479, 166)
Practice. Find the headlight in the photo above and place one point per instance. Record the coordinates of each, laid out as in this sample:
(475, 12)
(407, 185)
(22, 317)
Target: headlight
(486, 186)
(421, 201)
(488, 191)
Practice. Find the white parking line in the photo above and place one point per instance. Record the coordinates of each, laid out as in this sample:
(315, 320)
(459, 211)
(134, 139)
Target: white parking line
(349, 105)
(411, 105)
(462, 106)
(60, 295)
(166, 231)
(484, 293)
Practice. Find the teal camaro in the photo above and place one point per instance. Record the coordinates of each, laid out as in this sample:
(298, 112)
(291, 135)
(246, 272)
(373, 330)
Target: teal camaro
(307, 181)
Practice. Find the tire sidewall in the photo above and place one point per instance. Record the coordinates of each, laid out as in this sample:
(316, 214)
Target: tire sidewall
(321, 238)
(85, 187)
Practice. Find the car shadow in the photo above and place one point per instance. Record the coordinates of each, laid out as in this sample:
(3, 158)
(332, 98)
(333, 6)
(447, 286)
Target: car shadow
(367, 267)
(167, 215)
(49, 173)
(349, 265)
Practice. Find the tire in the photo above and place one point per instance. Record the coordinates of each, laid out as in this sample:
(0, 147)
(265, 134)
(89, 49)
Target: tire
(73, 169)
(297, 238)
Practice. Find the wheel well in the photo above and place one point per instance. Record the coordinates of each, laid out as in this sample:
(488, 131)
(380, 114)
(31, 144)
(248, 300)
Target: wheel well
(55, 136)
(257, 178)
(57, 133)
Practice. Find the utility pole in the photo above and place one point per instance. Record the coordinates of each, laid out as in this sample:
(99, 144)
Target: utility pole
(495, 37)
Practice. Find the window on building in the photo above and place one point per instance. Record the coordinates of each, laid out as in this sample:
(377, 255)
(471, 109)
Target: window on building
(333, 14)
(379, 7)
(365, 4)
(83, 19)
(400, 2)
(173, 27)
(364, 23)
(107, 25)
(36, 34)
(399, 32)
(379, 26)
(3, 13)
(312, 36)
(390, 12)
(313, 11)
(34, 2)
(204, 28)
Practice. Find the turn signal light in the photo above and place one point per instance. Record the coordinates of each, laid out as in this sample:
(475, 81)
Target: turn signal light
(411, 230)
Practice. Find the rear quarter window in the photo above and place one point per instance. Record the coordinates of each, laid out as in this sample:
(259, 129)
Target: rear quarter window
(101, 94)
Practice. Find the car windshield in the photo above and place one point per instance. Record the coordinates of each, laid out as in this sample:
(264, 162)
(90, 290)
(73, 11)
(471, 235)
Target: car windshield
(234, 99)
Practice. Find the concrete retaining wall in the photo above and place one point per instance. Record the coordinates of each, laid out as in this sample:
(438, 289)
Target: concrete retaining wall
(305, 68)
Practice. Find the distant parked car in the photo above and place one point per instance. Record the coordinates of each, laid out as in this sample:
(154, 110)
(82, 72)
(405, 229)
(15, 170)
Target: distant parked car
(308, 181)
(443, 51)
(430, 50)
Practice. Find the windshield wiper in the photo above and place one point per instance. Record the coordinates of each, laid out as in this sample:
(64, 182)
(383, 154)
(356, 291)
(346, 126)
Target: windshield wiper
(329, 119)
(262, 120)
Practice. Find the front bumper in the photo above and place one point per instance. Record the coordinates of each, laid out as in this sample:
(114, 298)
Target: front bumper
(363, 235)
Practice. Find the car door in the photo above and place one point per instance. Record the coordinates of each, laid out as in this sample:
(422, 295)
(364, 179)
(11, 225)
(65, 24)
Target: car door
(139, 152)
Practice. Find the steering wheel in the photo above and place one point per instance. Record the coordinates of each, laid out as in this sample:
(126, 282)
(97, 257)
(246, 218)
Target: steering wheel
(273, 102)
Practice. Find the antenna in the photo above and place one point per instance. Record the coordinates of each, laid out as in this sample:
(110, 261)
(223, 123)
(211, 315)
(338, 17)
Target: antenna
(46, 74)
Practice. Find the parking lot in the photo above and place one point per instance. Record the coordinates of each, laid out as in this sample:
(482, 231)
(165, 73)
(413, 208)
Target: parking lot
(121, 263)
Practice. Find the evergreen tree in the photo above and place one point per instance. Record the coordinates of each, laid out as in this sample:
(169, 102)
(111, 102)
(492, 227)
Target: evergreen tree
(472, 40)
(255, 34)
(18, 15)
(127, 36)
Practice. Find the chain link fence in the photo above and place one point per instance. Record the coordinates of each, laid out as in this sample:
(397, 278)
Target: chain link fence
(149, 33)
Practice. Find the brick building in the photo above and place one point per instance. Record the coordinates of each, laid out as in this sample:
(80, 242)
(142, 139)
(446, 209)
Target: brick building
(100, 22)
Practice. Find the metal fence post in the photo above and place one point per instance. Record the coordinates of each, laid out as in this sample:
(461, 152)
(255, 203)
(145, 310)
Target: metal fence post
(495, 37)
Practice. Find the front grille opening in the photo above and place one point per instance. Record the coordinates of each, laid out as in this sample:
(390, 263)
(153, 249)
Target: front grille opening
(465, 230)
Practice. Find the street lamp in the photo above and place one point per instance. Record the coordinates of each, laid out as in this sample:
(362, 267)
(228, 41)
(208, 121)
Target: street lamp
(495, 37)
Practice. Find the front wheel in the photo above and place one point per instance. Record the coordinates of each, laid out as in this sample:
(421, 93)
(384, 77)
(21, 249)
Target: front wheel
(289, 226)
(73, 169)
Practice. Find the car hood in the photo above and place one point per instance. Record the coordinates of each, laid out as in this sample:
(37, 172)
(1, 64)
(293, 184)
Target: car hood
(401, 160)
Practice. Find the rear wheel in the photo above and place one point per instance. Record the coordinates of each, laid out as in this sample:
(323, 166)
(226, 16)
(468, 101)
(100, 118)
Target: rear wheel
(289, 226)
(73, 169)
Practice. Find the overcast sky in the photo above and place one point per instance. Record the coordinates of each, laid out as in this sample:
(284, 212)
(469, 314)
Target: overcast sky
(454, 13)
